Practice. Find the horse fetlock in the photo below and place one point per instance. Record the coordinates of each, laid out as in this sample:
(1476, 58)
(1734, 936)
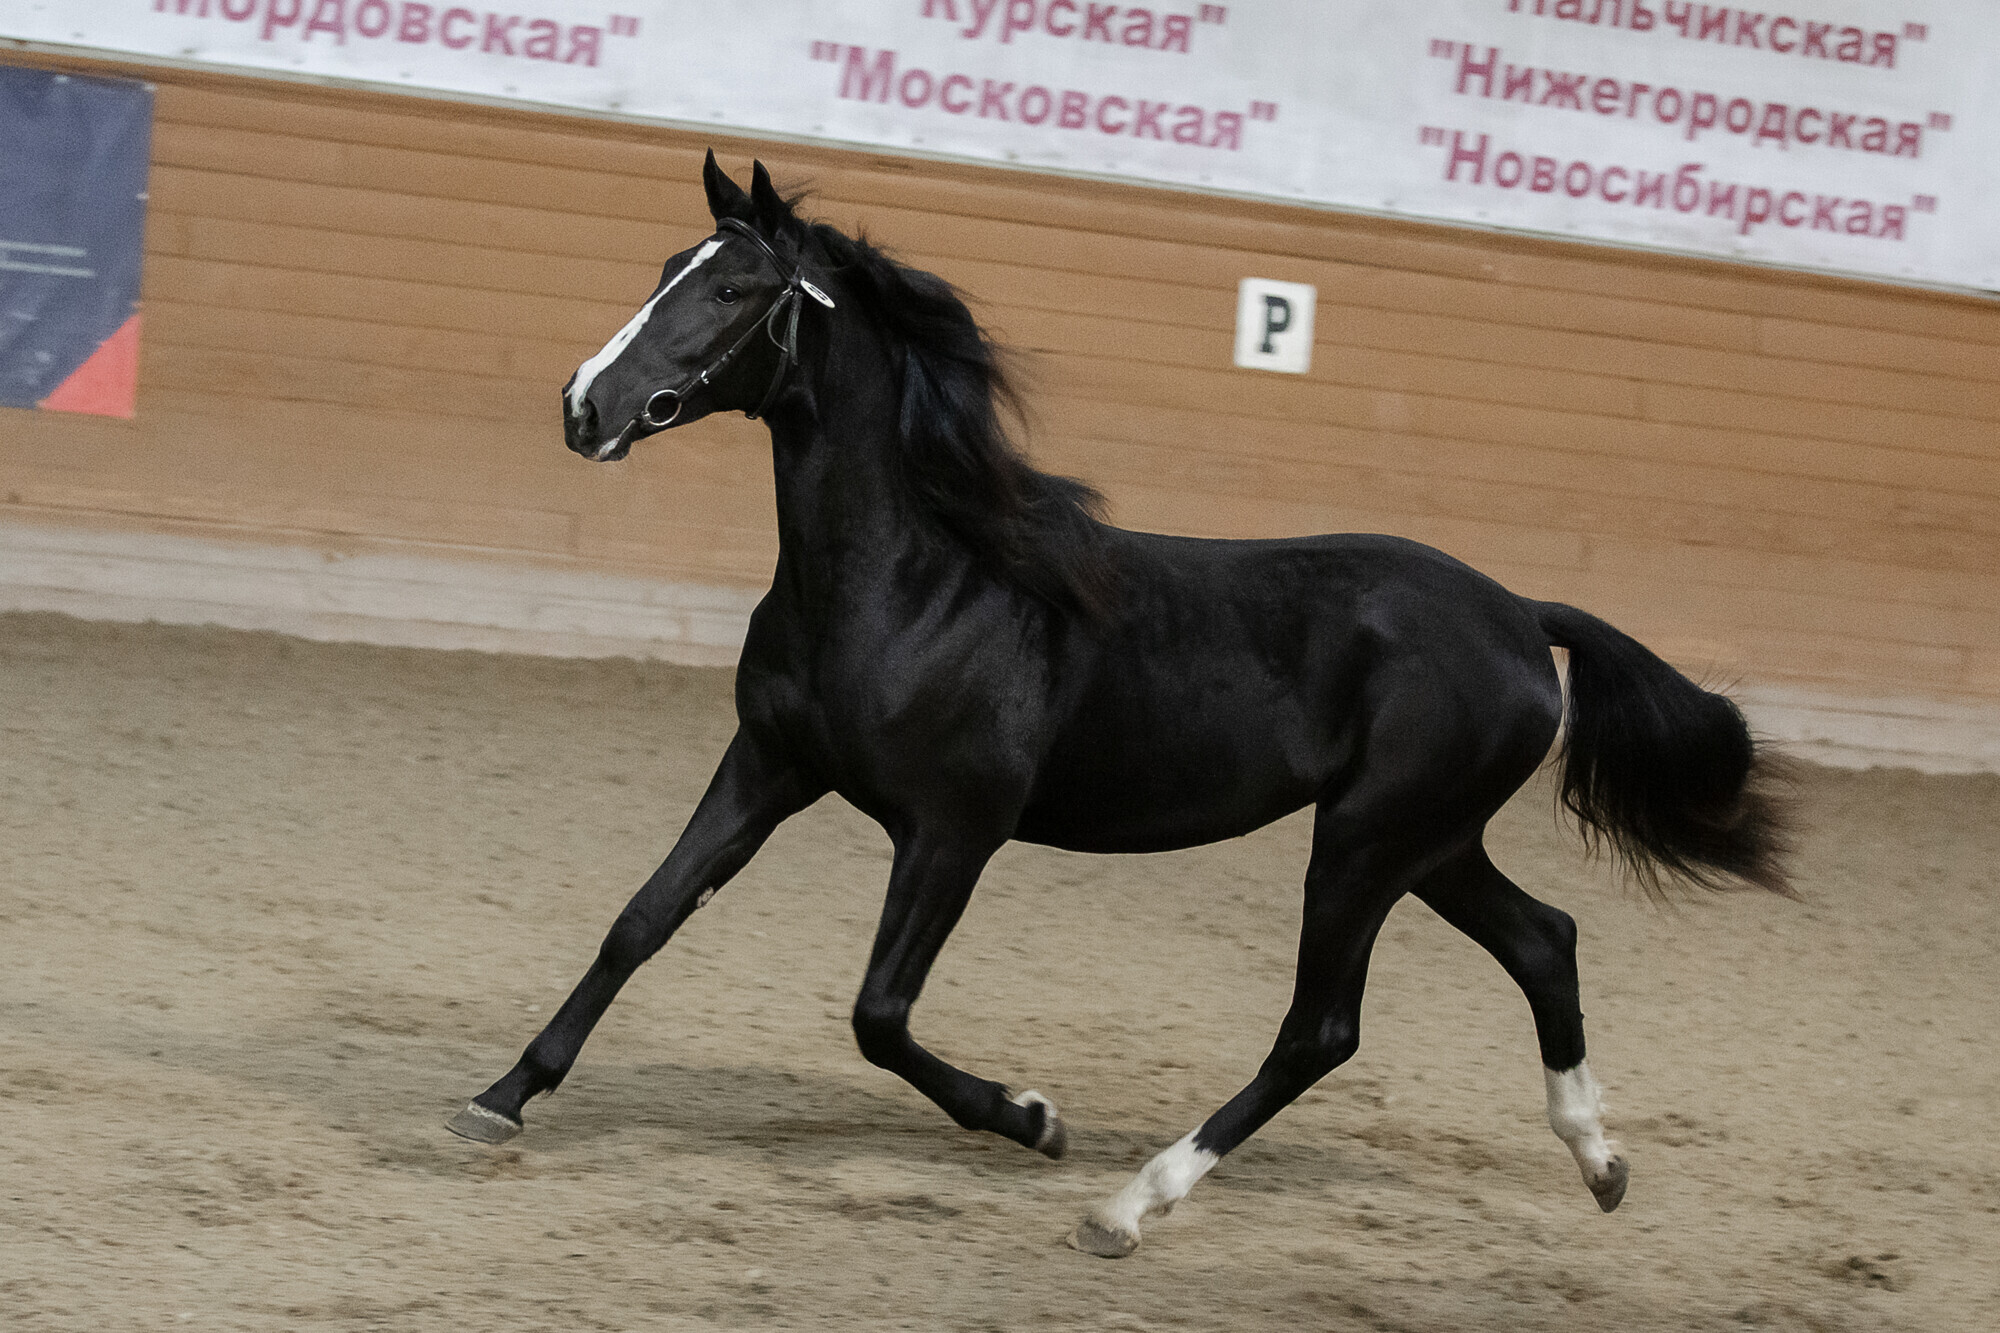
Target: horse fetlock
(483, 1125)
(1051, 1136)
(1111, 1230)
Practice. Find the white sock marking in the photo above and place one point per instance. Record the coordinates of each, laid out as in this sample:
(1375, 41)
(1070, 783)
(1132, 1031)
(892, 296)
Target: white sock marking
(589, 370)
(1160, 1184)
(1576, 1114)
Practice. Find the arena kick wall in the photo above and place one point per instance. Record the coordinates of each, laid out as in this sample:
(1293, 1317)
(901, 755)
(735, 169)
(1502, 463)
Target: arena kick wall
(358, 310)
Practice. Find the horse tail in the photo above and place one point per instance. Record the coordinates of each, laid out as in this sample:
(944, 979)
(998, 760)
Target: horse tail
(1664, 771)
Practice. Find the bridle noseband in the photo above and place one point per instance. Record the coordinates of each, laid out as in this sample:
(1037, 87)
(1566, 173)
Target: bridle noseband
(663, 408)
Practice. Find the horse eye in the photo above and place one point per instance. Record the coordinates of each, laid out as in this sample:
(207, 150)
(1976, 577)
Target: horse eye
(728, 296)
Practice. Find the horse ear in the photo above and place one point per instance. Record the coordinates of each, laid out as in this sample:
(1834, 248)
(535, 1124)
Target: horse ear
(772, 211)
(725, 197)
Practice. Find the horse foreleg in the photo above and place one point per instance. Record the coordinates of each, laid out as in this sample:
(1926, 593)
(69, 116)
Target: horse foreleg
(929, 886)
(1536, 944)
(748, 797)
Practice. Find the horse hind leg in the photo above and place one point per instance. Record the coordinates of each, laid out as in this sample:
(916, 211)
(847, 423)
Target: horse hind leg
(1536, 944)
(1344, 912)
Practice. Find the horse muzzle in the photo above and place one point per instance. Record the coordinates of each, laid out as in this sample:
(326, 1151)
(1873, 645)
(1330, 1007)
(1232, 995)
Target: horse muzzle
(583, 433)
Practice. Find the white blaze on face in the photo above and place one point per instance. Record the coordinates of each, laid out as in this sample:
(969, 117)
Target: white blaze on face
(589, 370)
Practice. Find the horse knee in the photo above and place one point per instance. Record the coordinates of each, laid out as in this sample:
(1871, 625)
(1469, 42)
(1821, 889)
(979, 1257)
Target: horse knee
(631, 940)
(881, 1028)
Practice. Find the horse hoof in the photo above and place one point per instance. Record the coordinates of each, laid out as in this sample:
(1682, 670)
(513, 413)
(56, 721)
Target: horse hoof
(480, 1125)
(1053, 1141)
(1106, 1240)
(1609, 1188)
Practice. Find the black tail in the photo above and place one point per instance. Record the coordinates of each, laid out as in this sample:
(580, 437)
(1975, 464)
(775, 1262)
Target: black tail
(1663, 770)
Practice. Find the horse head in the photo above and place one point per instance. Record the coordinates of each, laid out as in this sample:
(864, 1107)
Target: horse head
(693, 347)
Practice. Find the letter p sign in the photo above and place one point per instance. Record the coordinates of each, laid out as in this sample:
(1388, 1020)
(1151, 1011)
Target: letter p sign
(1274, 325)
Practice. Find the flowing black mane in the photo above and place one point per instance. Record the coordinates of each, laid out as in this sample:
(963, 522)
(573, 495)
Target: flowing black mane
(963, 468)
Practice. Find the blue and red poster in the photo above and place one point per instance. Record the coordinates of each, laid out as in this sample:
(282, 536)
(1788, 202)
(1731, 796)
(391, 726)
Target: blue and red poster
(73, 156)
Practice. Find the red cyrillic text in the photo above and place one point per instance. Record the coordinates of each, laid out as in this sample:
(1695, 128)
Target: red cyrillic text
(453, 27)
(874, 76)
(1079, 20)
(1727, 27)
(1470, 160)
(1483, 73)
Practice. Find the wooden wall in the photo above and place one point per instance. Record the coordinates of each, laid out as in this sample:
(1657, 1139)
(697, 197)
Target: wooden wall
(359, 310)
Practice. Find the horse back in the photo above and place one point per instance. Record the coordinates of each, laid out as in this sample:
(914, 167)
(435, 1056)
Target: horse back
(1237, 681)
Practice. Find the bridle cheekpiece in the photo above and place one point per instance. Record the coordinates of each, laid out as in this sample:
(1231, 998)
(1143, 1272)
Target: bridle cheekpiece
(663, 408)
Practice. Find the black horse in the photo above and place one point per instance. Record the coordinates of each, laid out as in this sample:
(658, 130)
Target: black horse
(958, 646)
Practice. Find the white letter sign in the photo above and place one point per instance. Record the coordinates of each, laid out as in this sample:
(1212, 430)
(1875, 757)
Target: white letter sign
(1274, 325)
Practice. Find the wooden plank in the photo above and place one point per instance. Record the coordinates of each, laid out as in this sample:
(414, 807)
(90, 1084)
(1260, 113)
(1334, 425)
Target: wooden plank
(267, 376)
(1469, 441)
(513, 355)
(1847, 346)
(1747, 613)
(1548, 503)
(440, 262)
(1182, 261)
(305, 446)
(323, 512)
(1630, 556)
(1176, 347)
(381, 300)
(1240, 394)
(1572, 500)
(1837, 659)
(368, 211)
(1684, 404)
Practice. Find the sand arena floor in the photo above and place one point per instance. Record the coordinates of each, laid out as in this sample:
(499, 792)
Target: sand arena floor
(271, 910)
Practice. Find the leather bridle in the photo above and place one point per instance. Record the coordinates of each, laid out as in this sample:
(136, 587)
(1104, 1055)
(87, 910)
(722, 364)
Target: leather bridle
(663, 408)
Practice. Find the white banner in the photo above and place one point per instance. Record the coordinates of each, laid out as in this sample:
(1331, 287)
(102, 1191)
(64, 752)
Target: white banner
(1852, 137)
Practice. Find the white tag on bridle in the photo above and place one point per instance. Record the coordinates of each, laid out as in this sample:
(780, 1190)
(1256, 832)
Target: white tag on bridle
(816, 294)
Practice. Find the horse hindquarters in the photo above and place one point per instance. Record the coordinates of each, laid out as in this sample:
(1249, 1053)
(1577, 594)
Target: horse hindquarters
(1449, 736)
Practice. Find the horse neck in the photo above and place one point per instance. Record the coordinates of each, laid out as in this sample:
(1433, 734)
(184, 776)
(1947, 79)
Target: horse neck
(844, 515)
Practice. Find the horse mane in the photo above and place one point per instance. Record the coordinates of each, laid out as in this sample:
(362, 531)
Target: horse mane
(961, 466)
